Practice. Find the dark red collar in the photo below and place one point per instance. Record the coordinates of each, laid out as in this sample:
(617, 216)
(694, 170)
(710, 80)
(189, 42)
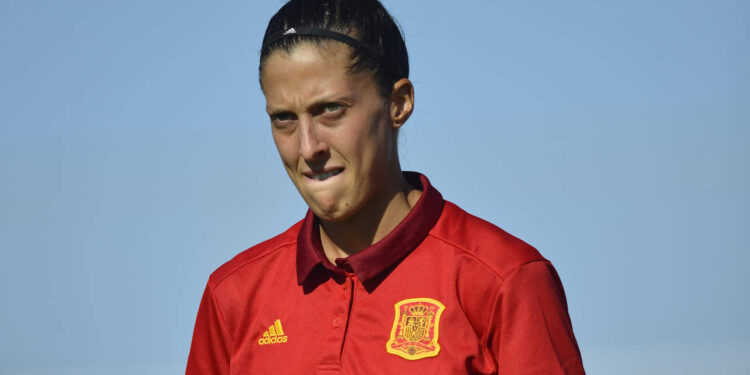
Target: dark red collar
(372, 261)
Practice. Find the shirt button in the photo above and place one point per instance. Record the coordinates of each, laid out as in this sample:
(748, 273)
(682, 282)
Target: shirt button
(337, 322)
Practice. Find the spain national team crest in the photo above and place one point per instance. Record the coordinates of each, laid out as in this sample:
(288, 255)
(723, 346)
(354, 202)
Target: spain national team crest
(415, 328)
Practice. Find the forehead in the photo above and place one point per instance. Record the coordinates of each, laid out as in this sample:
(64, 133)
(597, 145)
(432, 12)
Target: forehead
(308, 73)
(302, 56)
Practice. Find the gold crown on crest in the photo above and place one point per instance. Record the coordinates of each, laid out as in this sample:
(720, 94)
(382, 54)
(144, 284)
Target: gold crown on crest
(418, 309)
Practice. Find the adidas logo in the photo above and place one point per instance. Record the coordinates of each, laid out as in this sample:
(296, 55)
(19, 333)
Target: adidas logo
(274, 334)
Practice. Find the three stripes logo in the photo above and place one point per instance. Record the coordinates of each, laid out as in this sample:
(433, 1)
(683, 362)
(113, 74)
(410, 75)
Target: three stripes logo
(274, 334)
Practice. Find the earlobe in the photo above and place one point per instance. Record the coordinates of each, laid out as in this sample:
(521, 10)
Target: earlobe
(402, 102)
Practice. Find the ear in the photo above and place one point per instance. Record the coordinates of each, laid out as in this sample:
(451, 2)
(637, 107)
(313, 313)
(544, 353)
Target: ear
(402, 102)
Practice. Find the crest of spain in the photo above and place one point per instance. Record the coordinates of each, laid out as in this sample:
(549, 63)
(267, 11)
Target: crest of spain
(415, 328)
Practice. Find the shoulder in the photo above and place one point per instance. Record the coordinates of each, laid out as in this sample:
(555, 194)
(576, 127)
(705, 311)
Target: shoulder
(257, 256)
(497, 249)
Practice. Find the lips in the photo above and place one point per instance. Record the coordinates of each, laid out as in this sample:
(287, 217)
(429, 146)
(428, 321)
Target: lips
(324, 174)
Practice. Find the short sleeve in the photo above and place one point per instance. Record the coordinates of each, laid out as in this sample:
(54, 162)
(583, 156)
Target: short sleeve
(211, 348)
(530, 329)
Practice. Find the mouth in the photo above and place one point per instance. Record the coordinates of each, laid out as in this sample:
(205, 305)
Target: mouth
(324, 174)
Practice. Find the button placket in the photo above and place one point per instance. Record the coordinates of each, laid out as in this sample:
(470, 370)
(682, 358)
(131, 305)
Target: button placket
(346, 301)
(334, 323)
(351, 291)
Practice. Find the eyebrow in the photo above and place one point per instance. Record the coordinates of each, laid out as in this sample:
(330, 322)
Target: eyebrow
(317, 103)
(276, 111)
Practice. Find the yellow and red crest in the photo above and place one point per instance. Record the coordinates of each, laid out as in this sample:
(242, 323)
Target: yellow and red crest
(415, 328)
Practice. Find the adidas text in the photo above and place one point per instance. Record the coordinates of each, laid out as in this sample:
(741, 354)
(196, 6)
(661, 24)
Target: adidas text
(272, 340)
(274, 334)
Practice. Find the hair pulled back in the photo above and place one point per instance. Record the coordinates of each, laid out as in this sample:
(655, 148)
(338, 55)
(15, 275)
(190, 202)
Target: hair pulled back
(365, 20)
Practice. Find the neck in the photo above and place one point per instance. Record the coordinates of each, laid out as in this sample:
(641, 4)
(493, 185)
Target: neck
(371, 223)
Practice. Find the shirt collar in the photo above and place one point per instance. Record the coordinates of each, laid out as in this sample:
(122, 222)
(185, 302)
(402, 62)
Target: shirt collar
(373, 260)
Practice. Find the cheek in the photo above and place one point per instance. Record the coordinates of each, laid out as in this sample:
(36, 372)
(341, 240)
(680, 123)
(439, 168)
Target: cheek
(286, 149)
(370, 135)
(378, 143)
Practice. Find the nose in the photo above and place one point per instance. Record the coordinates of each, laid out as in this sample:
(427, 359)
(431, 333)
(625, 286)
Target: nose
(311, 146)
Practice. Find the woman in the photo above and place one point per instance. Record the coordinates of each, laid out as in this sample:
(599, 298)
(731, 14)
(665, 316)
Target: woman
(382, 276)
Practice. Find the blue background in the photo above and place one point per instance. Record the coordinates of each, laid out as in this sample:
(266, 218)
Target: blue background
(136, 157)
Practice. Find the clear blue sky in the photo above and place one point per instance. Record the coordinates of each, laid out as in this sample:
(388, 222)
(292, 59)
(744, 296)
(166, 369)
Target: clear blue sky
(135, 158)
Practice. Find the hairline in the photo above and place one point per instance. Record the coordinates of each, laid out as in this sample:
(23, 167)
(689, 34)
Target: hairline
(322, 44)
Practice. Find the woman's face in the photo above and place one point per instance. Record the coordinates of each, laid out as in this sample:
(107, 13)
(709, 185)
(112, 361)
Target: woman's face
(333, 130)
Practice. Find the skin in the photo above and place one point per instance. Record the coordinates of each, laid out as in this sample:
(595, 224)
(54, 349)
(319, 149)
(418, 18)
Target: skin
(336, 136)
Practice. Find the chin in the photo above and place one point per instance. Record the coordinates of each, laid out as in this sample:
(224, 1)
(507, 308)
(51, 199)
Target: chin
(333, 213)
(330, 214)
(326, 209)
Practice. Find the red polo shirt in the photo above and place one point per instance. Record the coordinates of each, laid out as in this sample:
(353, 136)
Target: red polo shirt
(444, 293)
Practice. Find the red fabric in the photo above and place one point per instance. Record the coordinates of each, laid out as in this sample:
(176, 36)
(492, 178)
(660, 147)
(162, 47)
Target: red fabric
(504, 306)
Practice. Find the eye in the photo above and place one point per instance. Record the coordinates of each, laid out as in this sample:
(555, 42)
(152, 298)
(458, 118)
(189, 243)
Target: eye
(282, 119)
(331, 107)
(284, 116)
